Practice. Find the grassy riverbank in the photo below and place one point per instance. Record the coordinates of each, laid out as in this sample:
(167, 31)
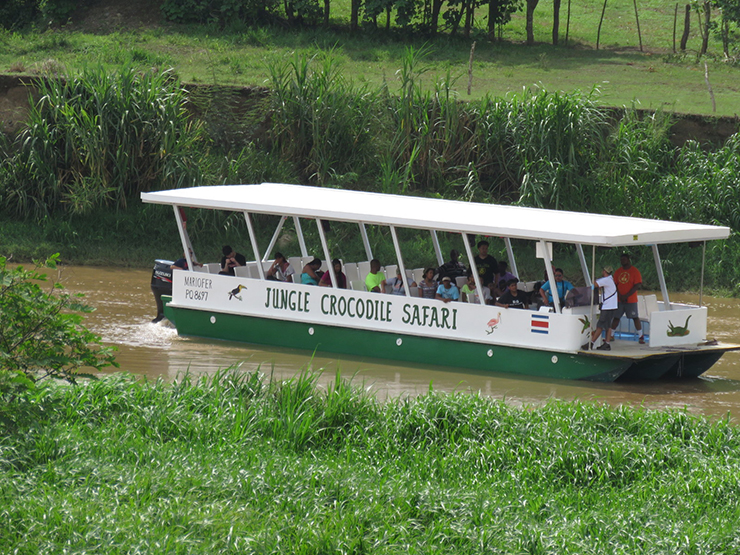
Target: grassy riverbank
(657, 78)
(244, 464)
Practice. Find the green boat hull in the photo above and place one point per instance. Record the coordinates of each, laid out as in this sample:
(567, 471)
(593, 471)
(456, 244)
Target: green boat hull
(394, 346)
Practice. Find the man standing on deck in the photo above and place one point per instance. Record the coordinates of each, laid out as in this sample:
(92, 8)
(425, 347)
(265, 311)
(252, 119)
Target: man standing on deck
(487, 266)
(628, 280)
(608, 310)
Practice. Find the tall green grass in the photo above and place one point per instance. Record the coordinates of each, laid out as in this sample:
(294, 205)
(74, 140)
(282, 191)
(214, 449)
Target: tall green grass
(244, 463)
(97, 140)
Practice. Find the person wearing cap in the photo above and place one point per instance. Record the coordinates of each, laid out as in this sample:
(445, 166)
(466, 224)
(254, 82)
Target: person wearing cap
(608, 310)
(447, 291)
(628, 280)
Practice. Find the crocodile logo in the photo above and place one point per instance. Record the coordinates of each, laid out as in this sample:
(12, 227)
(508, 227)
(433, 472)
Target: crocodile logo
(678, 331)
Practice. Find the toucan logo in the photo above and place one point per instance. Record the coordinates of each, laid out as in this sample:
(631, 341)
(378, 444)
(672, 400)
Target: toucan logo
(234, 293)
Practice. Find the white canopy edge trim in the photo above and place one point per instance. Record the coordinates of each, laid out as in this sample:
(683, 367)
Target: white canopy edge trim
(452, 216)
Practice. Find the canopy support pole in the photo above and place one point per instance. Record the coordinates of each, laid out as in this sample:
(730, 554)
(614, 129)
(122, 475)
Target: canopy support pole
(701, 283)
(510, 254)
(437, 249)
(661, 278)
(397, 246)
(187, 247)
(299, 233)
(550, 275)
(255, 248)
(366, 241)
(275, 236)
(591, 293)
(325, 247)
(584, 265)
(476, 275)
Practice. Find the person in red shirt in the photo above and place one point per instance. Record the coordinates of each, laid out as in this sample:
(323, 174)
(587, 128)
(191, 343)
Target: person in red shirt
(628, 280)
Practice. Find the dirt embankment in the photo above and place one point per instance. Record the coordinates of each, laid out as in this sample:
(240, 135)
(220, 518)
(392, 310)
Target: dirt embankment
(15, 91)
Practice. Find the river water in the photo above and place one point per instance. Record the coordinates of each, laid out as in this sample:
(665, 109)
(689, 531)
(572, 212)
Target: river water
(125, 306)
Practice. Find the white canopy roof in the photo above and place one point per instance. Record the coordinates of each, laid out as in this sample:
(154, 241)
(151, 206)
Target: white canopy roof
(439, 214)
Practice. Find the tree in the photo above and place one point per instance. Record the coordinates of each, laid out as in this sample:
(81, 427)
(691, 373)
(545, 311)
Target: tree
(499, 14)
(555, 21)
(730, 10)
(531, 5)
(41, 332)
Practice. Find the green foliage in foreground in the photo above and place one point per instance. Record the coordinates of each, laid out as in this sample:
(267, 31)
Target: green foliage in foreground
(42, 333)
(243, 464)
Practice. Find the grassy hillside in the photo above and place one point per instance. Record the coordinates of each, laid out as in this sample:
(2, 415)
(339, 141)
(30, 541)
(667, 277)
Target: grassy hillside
(115, 34)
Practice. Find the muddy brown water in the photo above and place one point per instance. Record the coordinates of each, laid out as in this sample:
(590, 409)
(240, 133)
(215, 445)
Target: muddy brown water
(125, 306)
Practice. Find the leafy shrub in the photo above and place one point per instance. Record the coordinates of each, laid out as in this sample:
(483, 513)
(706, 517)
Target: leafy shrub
(57, 11)
(16, 14)
(41, 332)
(223, 12)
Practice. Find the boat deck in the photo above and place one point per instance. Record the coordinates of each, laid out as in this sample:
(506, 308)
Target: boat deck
(664, 362)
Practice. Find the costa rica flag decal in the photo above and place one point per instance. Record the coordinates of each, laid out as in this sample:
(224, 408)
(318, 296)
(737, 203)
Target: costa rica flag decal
(540, 323)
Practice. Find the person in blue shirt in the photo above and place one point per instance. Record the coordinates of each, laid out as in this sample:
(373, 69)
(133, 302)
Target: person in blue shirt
(448, 291)
(562, 285)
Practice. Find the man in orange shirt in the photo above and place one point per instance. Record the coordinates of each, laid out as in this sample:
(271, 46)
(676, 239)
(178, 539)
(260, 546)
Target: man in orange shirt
(628, 280)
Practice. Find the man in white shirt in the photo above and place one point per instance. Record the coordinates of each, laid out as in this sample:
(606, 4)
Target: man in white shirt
(609, 304)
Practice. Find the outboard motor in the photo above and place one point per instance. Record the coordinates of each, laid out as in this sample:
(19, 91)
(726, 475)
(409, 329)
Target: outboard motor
(161, 284)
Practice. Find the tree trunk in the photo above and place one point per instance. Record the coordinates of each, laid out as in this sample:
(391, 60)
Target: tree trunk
(686, 27)
(354, 17)
(555, 21)
(567, 25)
(637, 19)
(492, 7)
(725, 36)
(327, 5)
(388, 18)
(436, 7)
(705, 32)
(601, 20)
(288, 6)
(531, 5)
(468, 17)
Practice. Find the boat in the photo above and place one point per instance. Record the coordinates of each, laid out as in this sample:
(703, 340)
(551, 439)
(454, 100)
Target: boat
(546, 342)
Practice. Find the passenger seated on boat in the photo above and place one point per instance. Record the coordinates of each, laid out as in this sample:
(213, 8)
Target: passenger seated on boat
(325, 280)
(562, 285)
(310, 274)
(608, 310)
(448, 291)
(375, 279)
(231, 260)
(428, 285)
(513, 298)
(470, 293)
(503, 277)
(281, 269)
(182, 263)
(454, 268)
(396, 283)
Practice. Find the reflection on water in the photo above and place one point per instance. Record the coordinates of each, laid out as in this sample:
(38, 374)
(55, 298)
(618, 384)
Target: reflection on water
(125, 307)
